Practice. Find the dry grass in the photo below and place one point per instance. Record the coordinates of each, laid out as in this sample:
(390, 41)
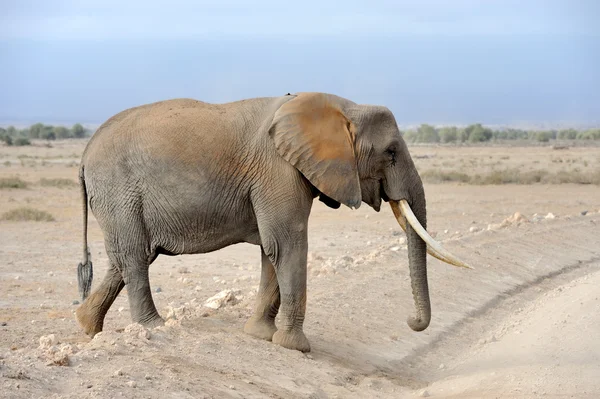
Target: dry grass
(26, 214)
(60, 182)
(12, 182)
(514, 176)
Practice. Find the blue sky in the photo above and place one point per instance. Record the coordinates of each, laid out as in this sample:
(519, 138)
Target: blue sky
(500, 62)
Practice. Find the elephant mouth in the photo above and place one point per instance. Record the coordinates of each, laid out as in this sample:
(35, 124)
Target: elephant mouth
(382, 193)
(404, 214)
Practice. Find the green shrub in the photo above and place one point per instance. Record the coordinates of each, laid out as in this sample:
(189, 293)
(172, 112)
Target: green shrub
(60, 182)
(21, 141)
(12, 182)
(26, 213)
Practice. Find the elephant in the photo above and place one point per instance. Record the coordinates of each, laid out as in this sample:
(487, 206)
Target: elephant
(187, 177)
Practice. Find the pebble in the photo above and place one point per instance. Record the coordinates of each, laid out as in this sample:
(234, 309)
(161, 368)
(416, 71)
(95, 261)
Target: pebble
(3, 324)
(550, 215)
(75, 302)
(442, 366)
(473, 229)
(394, 249)
(132, 384)
(121, 308)
(158, 289)
(583, 213)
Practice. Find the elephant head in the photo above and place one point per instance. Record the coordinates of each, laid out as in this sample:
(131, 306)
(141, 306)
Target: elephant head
(352, 153)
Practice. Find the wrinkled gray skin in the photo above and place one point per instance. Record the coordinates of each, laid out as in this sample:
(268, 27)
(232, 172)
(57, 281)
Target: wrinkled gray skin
(186, 177)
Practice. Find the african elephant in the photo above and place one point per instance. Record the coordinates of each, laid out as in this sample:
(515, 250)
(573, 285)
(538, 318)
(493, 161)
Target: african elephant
(188, 177)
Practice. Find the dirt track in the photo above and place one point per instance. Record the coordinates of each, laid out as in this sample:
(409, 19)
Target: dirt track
(525, 323)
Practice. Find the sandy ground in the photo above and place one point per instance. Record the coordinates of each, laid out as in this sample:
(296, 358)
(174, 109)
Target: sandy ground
(524, 324)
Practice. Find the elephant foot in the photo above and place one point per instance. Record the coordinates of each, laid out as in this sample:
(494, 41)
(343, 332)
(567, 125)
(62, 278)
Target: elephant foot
(156, 321)
(292, 340)
(260, 327)
(89, 320)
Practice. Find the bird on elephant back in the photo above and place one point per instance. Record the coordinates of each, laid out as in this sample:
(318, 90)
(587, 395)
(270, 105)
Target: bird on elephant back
(187, 177)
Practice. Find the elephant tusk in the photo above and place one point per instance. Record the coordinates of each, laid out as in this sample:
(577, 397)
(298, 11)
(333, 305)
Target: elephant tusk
(403, 213)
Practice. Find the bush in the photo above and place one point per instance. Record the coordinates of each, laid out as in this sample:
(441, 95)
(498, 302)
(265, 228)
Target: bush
(26, 213)
(21, 141)
(12, 182)
(478, 133)
(448, 134)
(59, 182)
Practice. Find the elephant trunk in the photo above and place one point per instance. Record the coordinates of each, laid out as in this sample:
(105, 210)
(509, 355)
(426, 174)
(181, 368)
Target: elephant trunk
(417, 262)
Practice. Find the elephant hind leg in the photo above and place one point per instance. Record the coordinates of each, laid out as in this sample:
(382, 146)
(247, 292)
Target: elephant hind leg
(134, 265)
(262, 323)
(91, 313)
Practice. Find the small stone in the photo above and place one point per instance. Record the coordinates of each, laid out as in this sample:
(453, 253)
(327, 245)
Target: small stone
(424, 393)
(158, 289)
(583, 213)
(75, 302)
(119, 372)
(442, 366)
(18, 278)
(121, 308)
(132, 384)
(232, 387)
(50, 274)
(402, 240)
(3, 324)
(394, 249)
(446, 231)
(221, 299)
(88, 386)
(550, 216)
(473, 229)
(47, 341)
(148, 377)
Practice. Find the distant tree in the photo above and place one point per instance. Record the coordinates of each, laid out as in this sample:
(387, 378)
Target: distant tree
(478, 133)
(544, 137)
(463, 135)
(78, 131)
(448, 134)
(21, 141)
(11, 131)
(62, 132)
(567, 134)
(35, 131)
(410, 136)
(427, 134)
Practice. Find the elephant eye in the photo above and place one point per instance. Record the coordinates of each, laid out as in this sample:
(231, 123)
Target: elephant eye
(391, 152)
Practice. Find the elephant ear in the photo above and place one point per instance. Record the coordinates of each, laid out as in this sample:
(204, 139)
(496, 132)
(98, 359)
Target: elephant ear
(312, 133)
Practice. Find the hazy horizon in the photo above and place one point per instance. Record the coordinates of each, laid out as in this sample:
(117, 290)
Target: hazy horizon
(500, 64)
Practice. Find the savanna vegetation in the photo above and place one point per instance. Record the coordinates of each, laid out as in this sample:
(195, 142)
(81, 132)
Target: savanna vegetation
(20, 137)
(477, 133)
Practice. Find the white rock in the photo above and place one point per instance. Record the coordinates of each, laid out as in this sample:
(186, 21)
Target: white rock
(47, 341)
(394, 249)
(550, 215)
(402, 240)
(136, 330)
(121, 308)
(473, 229)
(225, 297)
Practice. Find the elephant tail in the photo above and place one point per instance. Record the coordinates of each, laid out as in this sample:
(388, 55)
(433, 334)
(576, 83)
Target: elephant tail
(85, 273)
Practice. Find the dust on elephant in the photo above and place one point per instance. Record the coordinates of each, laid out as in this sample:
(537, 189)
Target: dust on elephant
(187, 177)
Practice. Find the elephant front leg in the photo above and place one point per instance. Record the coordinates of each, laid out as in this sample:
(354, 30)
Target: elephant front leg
(262, 322)
(291, 275)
